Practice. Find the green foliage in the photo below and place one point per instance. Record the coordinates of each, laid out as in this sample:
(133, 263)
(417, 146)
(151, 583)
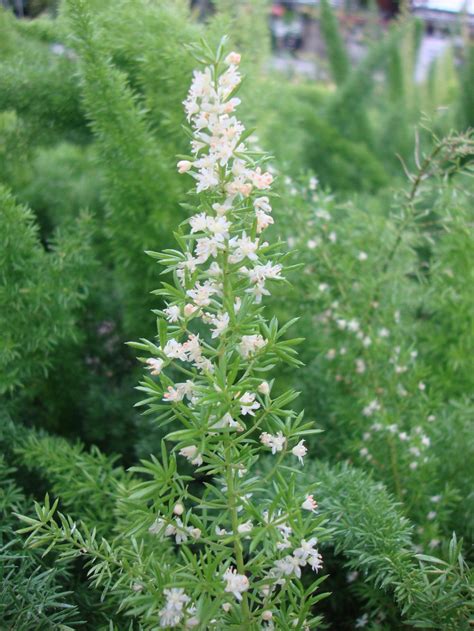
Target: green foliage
(14, 149)
(385, 351)
(467, 90)
(90, 120)
(141, 187)
(370, 531)
(40, 292)
(335, 49)
(32, 592)
(87, 482)
(42, 88)
(61, 182)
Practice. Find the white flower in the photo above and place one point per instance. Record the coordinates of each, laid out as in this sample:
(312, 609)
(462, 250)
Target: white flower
(198, 222)
(373, 406)
(263, 221)
(228, 81)
(222, 209)
(220, 323)
(192, 454)
(313, 183)
(306, 549)
(263, 204)
(206, 178)
(201, 294)
(309, 503)
(154, 365)
(221, 532)
(174, 610)
(236, 584)
(362, 621)
(341, 323)
(173, 395)
(244, 247)
(275, 441)
(300, 451)
(206, 247)
(362, 256)
(192, 622)
(307, 553)
(174, 350)
(248, 404)
(353, 326)
(227, 421)
(188, 265)
(267, 615)
(260, 273)
(219, 226)
(360, 366)
(245, 527)
(172, 313)
(179, 392)
(250, 344)
(315, 561)
(261, 180)
(156, 526)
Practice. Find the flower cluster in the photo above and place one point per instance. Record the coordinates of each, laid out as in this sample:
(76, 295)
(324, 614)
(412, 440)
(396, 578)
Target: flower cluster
(176, 609)
(208, 372)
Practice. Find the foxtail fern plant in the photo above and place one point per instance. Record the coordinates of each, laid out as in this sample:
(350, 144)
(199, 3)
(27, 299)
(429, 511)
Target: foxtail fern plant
(239, 554)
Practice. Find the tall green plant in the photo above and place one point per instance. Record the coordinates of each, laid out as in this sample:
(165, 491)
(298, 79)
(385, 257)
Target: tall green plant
(338, 58)
(40, 292)
(141, 189)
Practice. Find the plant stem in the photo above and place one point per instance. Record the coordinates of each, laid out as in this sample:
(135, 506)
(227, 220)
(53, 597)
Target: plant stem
(238, 551)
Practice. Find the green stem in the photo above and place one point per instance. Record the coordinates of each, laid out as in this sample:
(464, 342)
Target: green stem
(394, 467)
(238, 551)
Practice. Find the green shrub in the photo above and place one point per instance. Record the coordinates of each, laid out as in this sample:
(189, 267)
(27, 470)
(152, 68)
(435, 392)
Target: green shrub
(40, 292)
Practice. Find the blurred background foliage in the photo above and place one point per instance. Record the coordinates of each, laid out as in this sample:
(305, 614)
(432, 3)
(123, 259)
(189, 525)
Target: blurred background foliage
(375, 198)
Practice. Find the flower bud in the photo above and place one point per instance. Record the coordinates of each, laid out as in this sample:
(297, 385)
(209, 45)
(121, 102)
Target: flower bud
(178, 509)
(233, 58)
(184, 165)
(264, 388)
(267, 615)
(309, 503)
(195, 533)
(189, 309)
